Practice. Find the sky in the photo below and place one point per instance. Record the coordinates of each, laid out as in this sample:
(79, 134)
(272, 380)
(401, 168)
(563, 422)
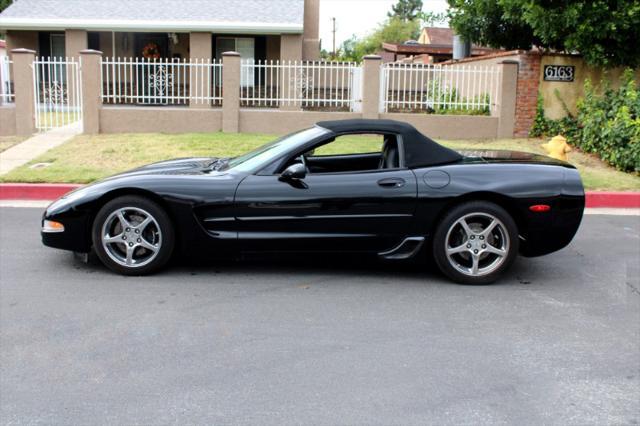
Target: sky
(359, 17)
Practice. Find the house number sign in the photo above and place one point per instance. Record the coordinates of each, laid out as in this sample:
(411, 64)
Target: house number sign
(559, 72)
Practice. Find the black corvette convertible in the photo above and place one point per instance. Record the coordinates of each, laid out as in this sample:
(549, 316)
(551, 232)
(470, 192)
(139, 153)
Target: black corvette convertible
(404, 197)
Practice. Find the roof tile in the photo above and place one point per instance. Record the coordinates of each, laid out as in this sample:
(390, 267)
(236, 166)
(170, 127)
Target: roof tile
(254, 11)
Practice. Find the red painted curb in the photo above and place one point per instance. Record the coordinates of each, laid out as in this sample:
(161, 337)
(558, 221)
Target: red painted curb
(34, 191)
(613, 199)
(51, 191)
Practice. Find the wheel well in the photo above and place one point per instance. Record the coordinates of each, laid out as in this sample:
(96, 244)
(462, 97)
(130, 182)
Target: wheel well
(503, 201)
(105, 198)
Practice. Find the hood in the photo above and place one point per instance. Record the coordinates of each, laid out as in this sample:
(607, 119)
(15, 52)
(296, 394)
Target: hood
(505, 156)
(180, 166)
(143, 177)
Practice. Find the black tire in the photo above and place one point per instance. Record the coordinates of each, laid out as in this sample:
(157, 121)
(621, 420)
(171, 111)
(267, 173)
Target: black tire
(503, 239)
(151, 245)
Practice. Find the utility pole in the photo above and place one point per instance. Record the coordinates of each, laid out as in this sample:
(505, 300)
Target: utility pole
(334, 36)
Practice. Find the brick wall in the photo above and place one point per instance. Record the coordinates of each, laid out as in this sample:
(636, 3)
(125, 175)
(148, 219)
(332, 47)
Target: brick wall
(526, 92)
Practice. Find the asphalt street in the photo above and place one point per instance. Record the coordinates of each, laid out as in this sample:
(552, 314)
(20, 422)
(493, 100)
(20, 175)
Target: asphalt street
(319, 342)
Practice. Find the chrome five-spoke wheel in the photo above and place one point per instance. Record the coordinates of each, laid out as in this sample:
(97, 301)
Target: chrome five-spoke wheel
(131, 237)
(477, 244)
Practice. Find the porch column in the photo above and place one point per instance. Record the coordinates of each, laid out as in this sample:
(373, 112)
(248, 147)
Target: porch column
(200, 50)
(311, 42)
(74, 42)
(290, 83)
(91, 90)
(505, 108)
(230, 92)
(371, 86)
(23, 82)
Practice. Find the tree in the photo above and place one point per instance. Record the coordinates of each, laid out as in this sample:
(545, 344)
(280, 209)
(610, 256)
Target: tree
(486, 23)
(393, 30)
(430, 19)
(406, 10)
(605, 32)
(4, 4)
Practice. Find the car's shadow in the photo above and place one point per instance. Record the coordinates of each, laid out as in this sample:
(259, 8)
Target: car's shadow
(343, 266)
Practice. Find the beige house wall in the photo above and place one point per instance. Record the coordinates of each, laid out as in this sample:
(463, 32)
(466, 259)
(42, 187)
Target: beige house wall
(74, 42)
(277, 122)
(22, 40)
(200, 46)
(450, 126)
(231, 91)
(570, 92)
(91, 90)
(291, 47)
(159, 120)
(311, 36)
(280, 122)
(23, 86)
(7, 120)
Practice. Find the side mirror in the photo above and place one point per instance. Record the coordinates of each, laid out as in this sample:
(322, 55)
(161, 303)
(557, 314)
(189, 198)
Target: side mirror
(294, 172)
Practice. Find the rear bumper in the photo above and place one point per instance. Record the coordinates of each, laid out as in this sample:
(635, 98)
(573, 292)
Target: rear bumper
(556, 230)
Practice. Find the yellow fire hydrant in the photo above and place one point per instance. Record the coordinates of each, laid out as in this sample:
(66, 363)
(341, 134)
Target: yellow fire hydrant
(557, 148)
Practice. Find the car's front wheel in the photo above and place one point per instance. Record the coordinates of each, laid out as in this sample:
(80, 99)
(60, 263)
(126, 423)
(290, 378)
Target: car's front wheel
(133, 236)
(475, 243)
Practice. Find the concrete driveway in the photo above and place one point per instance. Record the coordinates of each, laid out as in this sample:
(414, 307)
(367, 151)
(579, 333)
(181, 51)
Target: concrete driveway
(556, 342)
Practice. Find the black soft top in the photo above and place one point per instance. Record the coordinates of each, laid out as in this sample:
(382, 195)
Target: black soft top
(419, 150)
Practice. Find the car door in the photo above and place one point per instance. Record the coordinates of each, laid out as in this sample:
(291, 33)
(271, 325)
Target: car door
(352, 211)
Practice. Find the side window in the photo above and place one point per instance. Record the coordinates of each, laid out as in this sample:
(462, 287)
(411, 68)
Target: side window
(351, 145)
(353, 153)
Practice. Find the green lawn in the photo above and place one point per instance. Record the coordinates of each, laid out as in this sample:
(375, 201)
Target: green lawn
(87, 158)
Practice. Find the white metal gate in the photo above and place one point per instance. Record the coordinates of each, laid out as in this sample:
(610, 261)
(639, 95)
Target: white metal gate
(58, 92)
(6, 87)
(356, 89)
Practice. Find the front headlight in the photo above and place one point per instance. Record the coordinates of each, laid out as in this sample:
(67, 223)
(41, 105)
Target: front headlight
(52, 226)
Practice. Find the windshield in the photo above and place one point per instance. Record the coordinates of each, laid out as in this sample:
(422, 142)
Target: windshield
(263, 155)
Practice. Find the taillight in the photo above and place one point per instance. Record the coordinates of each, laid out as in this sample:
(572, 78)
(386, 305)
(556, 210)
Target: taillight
(540, 208)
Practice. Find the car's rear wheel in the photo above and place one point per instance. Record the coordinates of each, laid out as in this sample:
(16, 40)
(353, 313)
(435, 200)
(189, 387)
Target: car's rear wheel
(475, 243)
(133, 235)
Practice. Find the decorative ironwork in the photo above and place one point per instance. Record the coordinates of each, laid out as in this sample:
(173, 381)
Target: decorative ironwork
(302, 82)
(160, 81)
(56, 93)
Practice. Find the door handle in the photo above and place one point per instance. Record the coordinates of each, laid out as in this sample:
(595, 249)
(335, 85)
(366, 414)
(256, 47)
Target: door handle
(391, 182)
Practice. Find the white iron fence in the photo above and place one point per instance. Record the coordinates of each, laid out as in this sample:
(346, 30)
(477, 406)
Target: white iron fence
(6, 84)
(161, 82)
(462, 89)
(311, 85)
(58, 92)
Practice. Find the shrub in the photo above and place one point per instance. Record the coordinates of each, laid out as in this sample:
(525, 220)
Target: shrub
(607, 124)
(450, 101)
(610, 123)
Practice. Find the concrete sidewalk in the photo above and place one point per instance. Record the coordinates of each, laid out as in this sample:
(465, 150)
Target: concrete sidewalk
(37, 145)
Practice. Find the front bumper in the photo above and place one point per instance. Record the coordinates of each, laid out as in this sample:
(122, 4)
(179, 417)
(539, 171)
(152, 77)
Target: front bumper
(76, 235)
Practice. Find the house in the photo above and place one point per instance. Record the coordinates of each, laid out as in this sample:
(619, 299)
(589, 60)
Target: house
(257, 29)
(436, 35)
(433, 46)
